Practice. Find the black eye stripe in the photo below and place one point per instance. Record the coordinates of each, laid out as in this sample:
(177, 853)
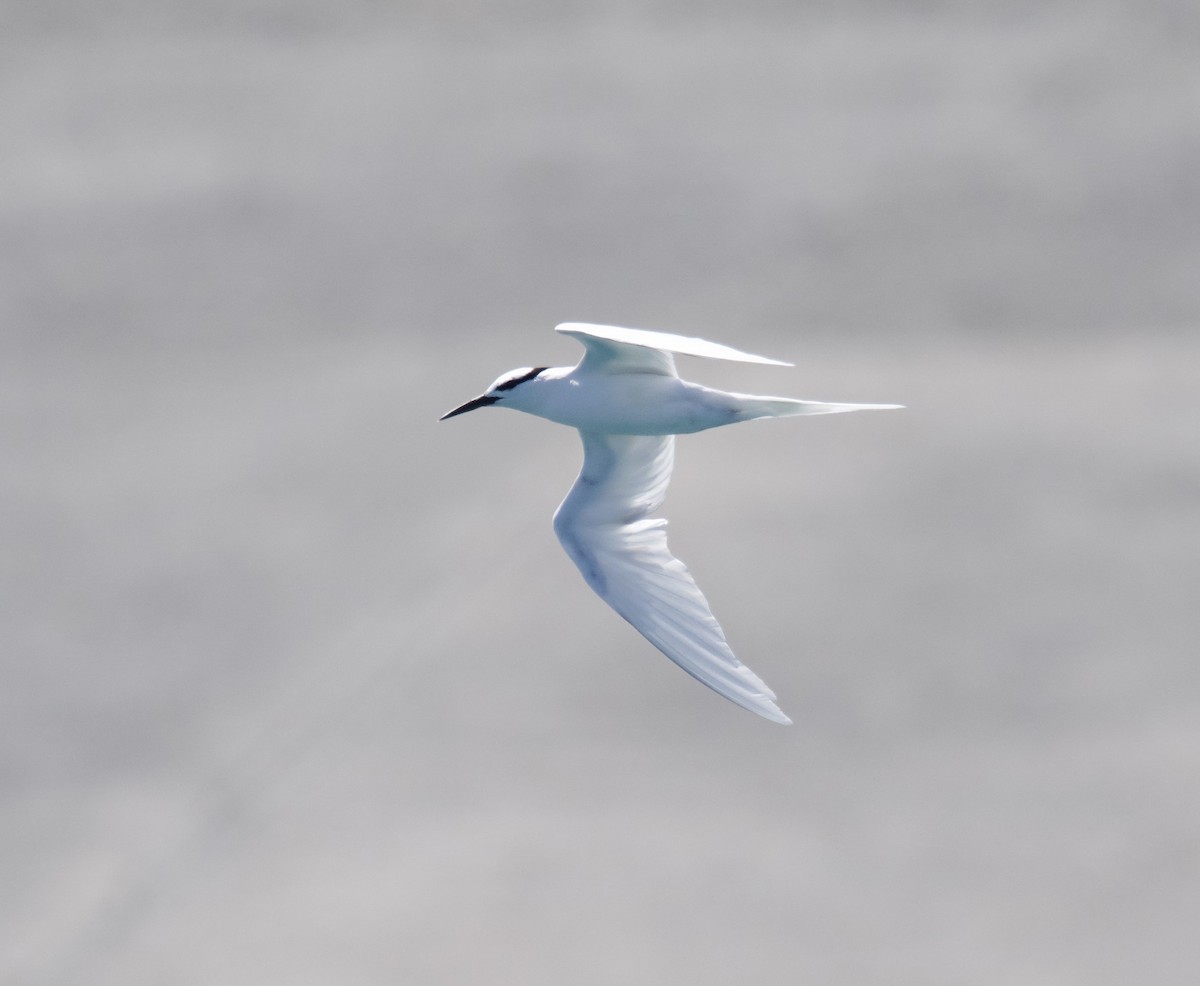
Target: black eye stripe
(509, 384)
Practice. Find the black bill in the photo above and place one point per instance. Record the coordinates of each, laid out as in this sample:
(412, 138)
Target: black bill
(482, 401)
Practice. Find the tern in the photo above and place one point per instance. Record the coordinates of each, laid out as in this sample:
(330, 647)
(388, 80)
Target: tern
(628, 402)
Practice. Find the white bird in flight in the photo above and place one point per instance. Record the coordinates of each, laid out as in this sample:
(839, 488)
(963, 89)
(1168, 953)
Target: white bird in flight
(628, 403)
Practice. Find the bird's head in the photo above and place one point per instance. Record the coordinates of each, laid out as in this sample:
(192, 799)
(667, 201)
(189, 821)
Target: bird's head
(507, 388)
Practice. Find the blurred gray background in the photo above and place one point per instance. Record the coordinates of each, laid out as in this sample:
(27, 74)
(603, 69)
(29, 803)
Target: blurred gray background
(298, 686)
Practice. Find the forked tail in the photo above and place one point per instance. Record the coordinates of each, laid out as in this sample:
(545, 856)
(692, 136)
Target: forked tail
(784, 407)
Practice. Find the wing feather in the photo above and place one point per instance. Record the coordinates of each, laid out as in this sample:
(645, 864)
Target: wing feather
(612, 349)
(606, 528)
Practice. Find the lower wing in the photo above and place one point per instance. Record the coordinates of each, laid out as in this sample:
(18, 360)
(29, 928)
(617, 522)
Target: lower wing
(605, 527)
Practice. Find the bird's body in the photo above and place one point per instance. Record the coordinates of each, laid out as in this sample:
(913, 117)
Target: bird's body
(628, 402)
(624, 403)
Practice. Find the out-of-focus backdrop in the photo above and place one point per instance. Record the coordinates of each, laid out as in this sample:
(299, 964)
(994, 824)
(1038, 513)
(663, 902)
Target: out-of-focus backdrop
(298, 686)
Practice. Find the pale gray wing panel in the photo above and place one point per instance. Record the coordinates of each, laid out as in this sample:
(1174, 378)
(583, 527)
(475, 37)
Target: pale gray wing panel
(605, 527)
(606, 355)
(596, 336)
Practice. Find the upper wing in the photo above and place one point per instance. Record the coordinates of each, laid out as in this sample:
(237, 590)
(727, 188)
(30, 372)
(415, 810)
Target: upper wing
(605, 527)
(611, 349)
